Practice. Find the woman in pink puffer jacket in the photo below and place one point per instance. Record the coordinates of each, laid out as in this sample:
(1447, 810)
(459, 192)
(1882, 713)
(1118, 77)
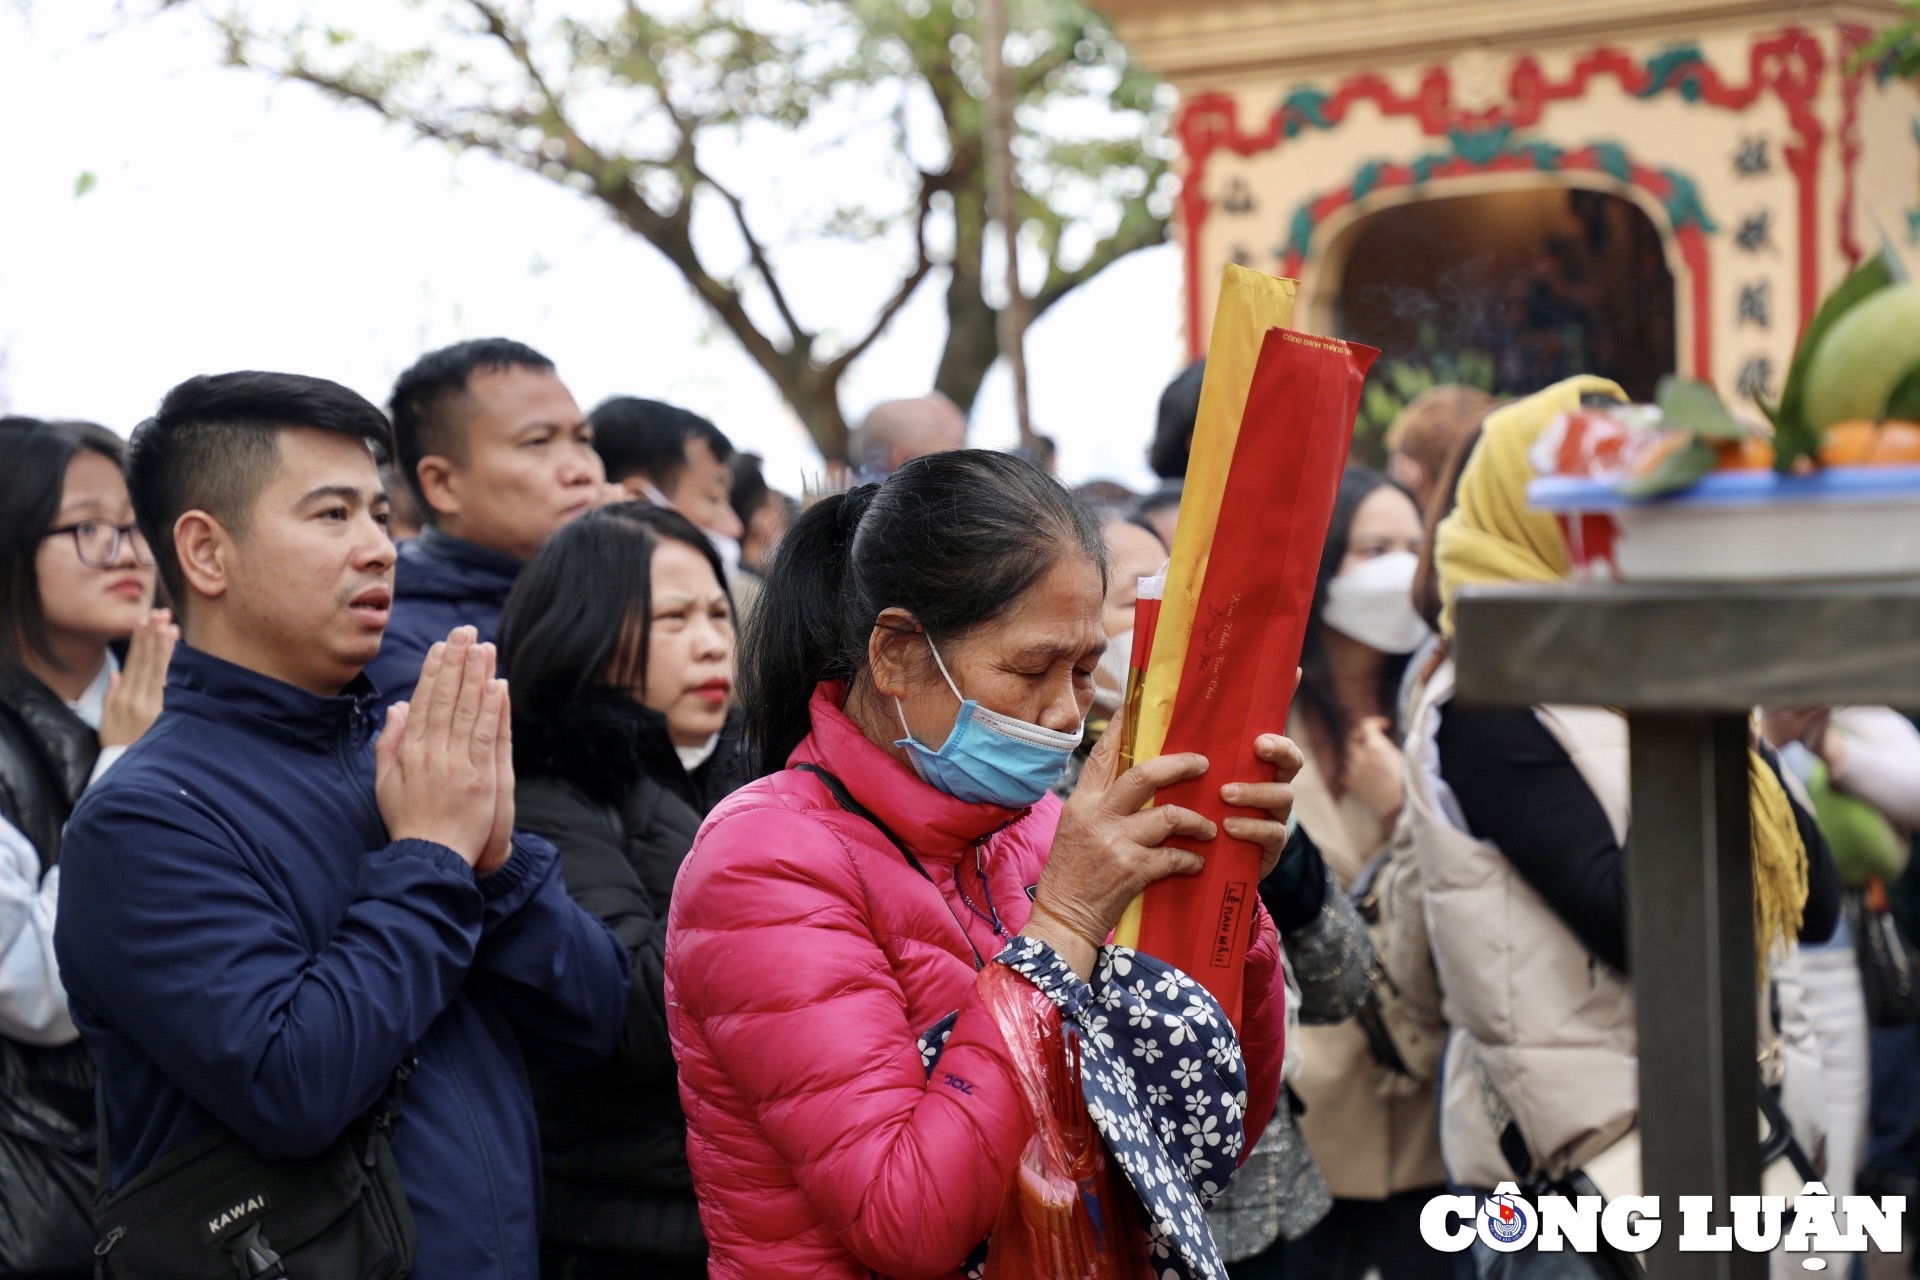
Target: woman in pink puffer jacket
(829, 924)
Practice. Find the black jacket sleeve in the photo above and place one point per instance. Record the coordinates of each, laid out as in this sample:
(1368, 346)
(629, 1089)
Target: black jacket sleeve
(1296, 888)
(603, 880)
(558, 974)
(1520, 791)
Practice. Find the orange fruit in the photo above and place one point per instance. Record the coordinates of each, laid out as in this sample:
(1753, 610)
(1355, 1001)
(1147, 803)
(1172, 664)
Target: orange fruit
(1754, 453)
(1847, 444)
(1860, 443)
(1898, 446)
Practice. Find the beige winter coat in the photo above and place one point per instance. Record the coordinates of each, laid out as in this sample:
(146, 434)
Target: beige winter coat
(1549, 1024)
(1371, 1130)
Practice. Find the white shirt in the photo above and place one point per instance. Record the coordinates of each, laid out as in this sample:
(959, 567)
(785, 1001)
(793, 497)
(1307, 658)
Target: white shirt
(90, 705)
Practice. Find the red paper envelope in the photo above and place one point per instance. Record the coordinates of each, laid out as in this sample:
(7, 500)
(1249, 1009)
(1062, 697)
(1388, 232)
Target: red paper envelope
(1249, 621)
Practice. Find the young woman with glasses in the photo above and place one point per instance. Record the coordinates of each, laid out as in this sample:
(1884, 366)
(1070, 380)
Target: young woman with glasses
(76, 580)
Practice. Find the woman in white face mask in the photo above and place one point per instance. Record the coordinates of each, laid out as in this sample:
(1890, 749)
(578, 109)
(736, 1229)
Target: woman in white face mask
(1361, 632)
(1371, 1130)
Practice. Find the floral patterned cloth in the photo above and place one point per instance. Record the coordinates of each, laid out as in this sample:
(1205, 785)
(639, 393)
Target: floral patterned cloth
(1164, 1083)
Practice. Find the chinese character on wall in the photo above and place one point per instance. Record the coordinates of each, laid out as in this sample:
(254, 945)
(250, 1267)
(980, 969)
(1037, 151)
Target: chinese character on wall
(1756, 232)
(1756, 378)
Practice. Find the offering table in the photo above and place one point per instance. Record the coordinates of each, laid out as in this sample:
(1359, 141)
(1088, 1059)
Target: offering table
(1687, 662)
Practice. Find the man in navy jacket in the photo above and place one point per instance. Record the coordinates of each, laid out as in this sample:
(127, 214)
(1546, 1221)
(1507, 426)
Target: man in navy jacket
(500, 457)
(262, 914)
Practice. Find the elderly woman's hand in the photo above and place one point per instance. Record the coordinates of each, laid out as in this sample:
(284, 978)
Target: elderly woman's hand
(1276, 797)
(1108, 848)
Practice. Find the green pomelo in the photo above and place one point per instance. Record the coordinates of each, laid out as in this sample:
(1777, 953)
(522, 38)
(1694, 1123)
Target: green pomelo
(1864, 843)
(1863, 357)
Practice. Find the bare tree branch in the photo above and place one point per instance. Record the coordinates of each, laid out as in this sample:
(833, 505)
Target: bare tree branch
(668, 233)
(1130, 238)
(757, 254)
(516, 43)
(734, 312)
(923, 264)
(712, 70)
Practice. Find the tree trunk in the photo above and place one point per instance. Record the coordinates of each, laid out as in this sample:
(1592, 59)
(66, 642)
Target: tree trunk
(817, 402)
(973, 339)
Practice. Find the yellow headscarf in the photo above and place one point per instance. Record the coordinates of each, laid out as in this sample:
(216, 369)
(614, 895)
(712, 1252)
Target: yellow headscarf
(1492, 536)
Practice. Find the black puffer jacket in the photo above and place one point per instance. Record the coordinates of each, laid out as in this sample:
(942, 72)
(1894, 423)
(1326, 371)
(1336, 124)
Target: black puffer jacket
(46, 1093)
(601, 780)
(46, 756)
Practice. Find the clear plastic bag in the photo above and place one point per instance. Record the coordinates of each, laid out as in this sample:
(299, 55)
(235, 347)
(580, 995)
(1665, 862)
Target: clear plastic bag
(1069, 1214)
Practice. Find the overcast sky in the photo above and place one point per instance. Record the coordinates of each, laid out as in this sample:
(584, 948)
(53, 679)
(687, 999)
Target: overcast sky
(235, 224)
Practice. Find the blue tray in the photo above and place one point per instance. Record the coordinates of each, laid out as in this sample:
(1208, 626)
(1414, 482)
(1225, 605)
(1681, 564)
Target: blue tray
(1735, 489)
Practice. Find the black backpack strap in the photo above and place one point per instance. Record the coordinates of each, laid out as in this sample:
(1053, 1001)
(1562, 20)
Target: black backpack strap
(103, 1165)
(382, 1117)
(1513, 1144)
(1781, 1139)
(388, 1110)
(858, 810)
(253, 1258)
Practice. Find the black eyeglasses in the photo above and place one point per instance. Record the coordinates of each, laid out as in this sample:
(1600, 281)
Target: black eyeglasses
(97, 543)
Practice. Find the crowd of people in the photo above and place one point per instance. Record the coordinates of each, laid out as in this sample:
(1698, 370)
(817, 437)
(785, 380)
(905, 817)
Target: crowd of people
(483, 837)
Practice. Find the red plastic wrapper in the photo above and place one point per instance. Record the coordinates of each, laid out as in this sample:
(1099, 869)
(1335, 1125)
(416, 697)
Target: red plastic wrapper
(1248, 625)
(1070, 1214)
(1146, 618)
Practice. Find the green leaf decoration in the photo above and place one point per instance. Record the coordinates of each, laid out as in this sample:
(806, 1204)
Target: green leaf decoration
(1685, 402)
(83, 182)
(1904, 403)
(1793, 436)
(1682, 469)
(1409, 380)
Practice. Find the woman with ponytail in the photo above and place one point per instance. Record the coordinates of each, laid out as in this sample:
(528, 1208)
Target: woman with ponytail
(915, 678)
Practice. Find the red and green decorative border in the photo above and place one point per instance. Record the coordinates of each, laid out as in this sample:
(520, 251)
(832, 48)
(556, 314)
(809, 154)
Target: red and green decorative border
(1789, 63)
(1852, 37)
(1495, 151)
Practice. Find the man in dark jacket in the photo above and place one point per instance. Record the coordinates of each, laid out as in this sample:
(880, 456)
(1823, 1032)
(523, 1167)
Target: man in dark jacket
(500, 457)
(259, 920)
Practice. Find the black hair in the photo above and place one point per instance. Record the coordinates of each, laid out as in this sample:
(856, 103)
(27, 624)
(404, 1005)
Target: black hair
(585, 604)
(1105, 493)
(1106, 513)
(1167, 495)
(1139, 521)
(214, 445)
(34, 456)
(423, 401)
(1173, 432)
(750, 491)
(1317, 691)
(649, 437)
(1427, 600)
(954, 538)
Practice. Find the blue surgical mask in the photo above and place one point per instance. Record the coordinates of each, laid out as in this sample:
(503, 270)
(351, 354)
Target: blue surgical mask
(989, 758)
